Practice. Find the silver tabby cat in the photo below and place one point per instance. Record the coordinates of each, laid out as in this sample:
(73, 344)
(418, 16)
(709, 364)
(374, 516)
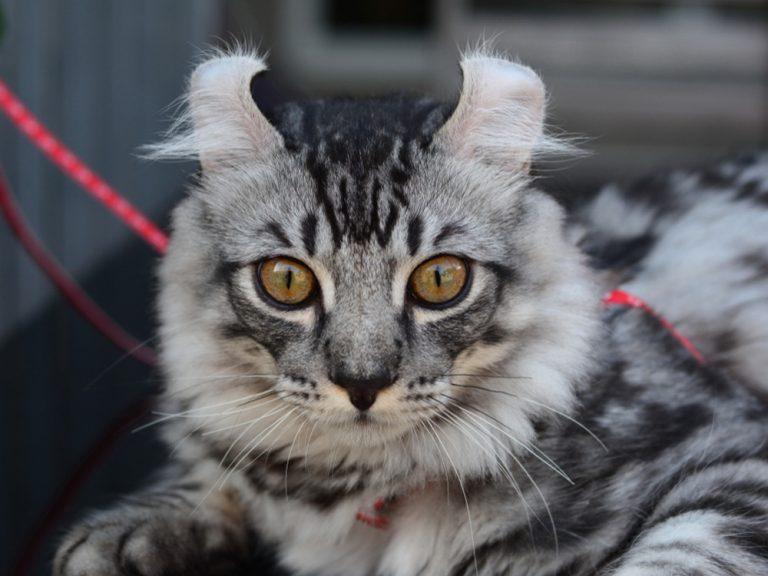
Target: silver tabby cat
(385, 352)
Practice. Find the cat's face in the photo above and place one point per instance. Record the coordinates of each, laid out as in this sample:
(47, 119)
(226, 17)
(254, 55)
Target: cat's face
(365, 266)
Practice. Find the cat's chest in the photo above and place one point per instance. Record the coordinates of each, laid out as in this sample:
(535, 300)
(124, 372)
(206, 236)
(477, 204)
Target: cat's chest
(366, 534)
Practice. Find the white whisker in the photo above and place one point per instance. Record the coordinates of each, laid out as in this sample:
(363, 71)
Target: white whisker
(535, 452)
(288, 458)
(463, 493)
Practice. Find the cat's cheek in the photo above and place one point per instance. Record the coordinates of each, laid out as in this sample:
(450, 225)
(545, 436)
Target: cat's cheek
(480, 356)
(251, 353)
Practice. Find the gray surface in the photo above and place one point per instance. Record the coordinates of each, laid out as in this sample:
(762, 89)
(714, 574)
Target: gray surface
(99, 74)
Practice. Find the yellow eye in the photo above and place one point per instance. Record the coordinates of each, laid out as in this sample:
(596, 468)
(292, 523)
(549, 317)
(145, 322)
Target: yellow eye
(286, 281)
(439, 280)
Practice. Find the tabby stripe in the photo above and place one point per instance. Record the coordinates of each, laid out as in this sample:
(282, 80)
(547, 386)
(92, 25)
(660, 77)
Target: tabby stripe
(65, 557)
(309, 233)
(415, 228)
(447, 231)
(751, 539)
(687, 472)
(120, 559)
(690, 550)
(277, 231)
(727, 505)
(319, 174)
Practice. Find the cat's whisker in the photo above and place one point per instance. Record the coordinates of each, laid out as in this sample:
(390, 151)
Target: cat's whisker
(240, 424)
(463, 493)
(443, 466)
(489, 376)
(309, 442)
(538, 490)
(506, 472)
(251, 424)
(246, 398)
(533, 450)
(215, 377)
(290, 451)
(254, 443)
(203, 380)
(268, 451)
(200, 412)
(224, 458)
(129, 353)
(537, 403)
(472, 433)
(186, 437)
(166, 416)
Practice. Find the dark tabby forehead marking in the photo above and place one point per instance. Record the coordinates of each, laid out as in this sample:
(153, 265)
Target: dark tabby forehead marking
(359, 154)
(309, 233)
(383, 234)
(447, 231)
(415, 228)
(277, 231)
(319, 174)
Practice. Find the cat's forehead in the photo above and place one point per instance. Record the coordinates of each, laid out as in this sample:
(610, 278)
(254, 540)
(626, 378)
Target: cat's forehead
(359, 131)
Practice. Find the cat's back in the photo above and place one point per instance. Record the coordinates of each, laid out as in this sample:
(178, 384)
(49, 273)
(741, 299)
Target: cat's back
(694, 244)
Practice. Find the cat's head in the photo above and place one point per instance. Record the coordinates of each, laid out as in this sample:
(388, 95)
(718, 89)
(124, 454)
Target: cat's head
(370, 270)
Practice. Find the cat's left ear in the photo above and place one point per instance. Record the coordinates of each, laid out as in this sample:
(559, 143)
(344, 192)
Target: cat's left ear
(222, 124)
(499, 118)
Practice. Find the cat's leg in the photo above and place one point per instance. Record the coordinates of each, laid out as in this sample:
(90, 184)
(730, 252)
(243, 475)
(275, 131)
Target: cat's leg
(714, 524)
(181, 526)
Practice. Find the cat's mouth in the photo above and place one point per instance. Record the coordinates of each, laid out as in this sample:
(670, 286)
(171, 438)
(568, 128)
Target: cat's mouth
(362, 419)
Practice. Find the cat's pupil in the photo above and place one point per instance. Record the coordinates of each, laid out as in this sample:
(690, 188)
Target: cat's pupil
(438, 276)
(288, 279)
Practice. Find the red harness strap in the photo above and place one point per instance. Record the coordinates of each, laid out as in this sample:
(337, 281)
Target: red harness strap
(622, 298)
(374, 518)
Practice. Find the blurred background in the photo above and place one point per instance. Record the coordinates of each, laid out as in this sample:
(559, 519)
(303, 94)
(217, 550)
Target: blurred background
(650, 83)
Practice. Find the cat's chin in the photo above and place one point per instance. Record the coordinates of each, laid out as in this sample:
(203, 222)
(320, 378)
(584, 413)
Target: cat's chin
(364, 429)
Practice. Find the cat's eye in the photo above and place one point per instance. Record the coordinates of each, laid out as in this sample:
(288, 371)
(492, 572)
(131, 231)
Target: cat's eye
(439, 281)
(286, 281)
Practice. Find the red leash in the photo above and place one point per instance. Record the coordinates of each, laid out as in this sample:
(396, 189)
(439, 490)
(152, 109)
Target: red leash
(73, 167)
(80, 301)
(68, 288)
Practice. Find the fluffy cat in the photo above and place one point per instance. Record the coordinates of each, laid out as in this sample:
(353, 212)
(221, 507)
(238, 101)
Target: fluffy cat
(385, 355)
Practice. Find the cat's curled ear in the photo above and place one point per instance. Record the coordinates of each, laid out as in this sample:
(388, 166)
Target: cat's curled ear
(499, 118)
(222, 125)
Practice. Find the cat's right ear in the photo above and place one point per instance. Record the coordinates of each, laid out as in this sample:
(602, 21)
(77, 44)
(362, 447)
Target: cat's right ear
(499, 118)
(222, 124)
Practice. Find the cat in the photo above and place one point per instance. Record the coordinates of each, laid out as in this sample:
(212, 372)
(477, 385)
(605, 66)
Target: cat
(385, 354)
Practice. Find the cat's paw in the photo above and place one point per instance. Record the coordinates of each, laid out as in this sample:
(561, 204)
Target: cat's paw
(149, 544)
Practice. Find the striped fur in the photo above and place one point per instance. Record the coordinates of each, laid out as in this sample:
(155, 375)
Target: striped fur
(527, 431)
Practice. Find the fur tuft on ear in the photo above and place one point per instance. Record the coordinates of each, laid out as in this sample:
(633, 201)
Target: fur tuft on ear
(220, 123)
(499, 118)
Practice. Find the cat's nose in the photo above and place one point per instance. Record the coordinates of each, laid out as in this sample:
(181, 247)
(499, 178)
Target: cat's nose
(362, 390)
